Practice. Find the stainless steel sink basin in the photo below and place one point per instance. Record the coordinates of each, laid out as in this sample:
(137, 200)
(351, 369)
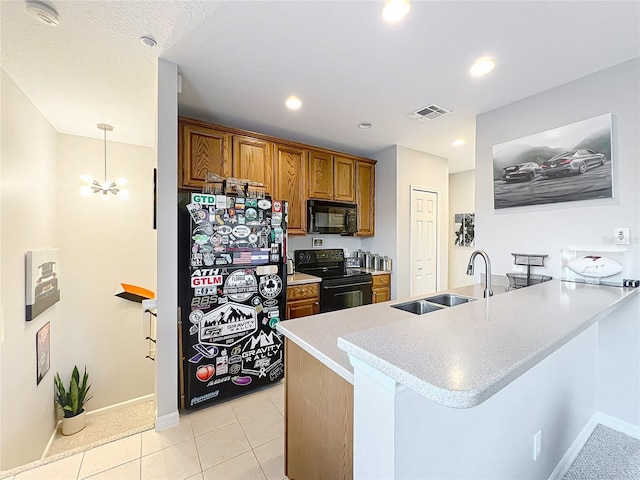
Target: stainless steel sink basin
(419, 307)
(449, 300)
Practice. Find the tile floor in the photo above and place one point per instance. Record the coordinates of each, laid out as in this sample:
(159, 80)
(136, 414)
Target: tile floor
(242, 439)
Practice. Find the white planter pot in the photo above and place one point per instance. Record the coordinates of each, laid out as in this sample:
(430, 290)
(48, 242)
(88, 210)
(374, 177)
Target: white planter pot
(73, 425)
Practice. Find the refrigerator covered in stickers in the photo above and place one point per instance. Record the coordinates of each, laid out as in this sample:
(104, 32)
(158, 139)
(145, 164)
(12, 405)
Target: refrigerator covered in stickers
(232, 293)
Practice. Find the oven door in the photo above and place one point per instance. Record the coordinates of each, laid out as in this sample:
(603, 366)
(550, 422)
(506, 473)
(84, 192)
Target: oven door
(336, 295)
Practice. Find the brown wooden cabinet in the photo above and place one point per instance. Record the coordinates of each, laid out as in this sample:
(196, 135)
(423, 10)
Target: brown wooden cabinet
(202, 150)
(318, 419)
(365, 197)
(381, 288)
(331, 177)
(303, 300)
(253, 160)
(290, 184)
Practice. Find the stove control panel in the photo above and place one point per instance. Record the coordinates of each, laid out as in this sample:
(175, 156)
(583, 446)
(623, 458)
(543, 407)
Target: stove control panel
(319, 257)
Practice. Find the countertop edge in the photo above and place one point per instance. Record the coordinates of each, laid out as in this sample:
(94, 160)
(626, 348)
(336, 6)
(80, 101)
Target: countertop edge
(473, 398)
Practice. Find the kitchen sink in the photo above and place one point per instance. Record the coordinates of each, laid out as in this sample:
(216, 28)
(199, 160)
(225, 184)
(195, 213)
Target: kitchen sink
(449, 300)
(419, 307)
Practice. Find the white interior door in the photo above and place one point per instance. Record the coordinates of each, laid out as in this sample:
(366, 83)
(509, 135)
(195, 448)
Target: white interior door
(424, 241)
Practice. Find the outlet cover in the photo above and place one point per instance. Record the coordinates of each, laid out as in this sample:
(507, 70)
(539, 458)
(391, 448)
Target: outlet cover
(621, 236)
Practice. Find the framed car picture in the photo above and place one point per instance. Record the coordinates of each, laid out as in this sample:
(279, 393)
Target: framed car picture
(42, 281)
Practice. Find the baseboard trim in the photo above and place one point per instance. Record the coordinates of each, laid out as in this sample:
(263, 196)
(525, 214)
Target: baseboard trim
(618, 425)
(570, 455)
(167, 421)
(121, 405)
(51, 438)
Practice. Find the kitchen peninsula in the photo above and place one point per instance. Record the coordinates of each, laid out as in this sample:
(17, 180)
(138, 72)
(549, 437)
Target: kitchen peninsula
(455, 393)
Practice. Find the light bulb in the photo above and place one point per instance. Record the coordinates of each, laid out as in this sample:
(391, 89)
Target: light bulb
(122, 181)
(86, 178)
(124, 194)
(85, 191)
(106, 185)
(482, 66)
(394, 10)
(293, 103)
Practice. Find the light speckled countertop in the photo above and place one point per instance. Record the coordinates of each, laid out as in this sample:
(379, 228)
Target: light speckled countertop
(458, 356)
(301, 279)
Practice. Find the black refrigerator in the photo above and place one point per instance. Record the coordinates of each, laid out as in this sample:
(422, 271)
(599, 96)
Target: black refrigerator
(231, 294)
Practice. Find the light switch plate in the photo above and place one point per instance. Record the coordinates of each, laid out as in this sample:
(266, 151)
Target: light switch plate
(621, 236)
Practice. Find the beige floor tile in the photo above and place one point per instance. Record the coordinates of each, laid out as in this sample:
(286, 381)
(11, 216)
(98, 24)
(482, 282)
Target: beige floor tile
(177, 462)
(110, 455)
(251, 404)
(64, 469)
(263, 427)
(209, 419)
(128, 471)
(153, 441)
(242, 467)
(221, 444)
(197, 476)
(276, 394)
(271, 458)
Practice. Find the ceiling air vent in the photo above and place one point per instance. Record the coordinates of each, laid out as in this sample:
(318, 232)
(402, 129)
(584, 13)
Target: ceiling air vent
(430, 112)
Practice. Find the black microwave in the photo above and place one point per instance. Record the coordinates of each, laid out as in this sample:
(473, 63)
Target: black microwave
(332, 217)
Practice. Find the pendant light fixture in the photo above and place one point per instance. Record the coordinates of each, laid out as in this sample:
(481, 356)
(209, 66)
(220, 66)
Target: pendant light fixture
(106, 187)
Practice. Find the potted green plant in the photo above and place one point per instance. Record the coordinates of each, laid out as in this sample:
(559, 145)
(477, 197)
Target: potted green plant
(72, 401)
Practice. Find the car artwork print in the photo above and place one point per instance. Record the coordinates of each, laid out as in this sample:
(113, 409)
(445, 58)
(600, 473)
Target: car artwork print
(565, 164)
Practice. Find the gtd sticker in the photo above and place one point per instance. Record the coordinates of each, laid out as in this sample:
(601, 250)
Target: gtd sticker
(270, 286)
(241, 231)
(240, 285)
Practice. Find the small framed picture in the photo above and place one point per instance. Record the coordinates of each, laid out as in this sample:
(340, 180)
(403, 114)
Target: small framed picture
(317, 242)
(43, 349)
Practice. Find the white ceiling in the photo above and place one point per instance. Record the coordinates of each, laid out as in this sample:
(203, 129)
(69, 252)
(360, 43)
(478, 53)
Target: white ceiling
(241, 59)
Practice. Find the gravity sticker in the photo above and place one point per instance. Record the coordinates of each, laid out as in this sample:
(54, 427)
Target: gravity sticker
(260, 348)
(270, 286)
(205, 372)
(264, 204)
(240, 285)
(227, 325)
(241, 231)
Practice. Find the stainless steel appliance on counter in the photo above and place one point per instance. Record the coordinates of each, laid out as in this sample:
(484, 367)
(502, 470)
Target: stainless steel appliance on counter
(341, 287)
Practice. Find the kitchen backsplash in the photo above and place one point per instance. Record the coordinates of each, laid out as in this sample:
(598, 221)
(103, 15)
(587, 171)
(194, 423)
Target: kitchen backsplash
(350, 244)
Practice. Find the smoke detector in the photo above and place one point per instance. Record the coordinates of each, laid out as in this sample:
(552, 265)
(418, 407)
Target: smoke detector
(430, 112)
(43, 13)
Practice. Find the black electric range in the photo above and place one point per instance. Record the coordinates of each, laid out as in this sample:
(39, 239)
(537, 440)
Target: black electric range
(341, 287)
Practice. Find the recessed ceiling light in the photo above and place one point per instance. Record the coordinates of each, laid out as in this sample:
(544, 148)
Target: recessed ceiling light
(43, 13)
(148, 41)
(293, 103)
(364, 125)
(394, 10)
(482, 66)
(457, 142)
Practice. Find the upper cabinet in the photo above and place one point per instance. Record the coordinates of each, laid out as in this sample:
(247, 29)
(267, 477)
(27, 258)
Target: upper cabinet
(253, 160)
(202, 149)
(290, 184)
(289, 170)
(331, 177)
(365, 197)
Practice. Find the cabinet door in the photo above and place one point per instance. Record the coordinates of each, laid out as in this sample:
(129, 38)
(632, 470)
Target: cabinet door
(252, 159)
(290, 184)
(320, 175)
(381, 294)
(365, 198)
(302, 308)
(343, 179)
(202, 150)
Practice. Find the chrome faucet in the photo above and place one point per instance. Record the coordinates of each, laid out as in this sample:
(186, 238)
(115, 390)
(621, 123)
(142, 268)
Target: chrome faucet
(487, 287)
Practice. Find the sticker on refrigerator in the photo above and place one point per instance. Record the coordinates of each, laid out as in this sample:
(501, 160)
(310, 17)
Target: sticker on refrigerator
(222, 365)
(251, 214)
(205, 372)
(204, 281)
(198, 215)
(241, 231)
(224, 229)
(203, 199)
(242, 381)
(262, 353)
(228, 324)
(204, 351)
(241, 284)
(270, 286)
(221, 202)
(264, 204)
(277, 206)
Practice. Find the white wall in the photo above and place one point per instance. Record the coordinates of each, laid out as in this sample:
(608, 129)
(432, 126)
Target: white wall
(28, 206)
(105, 242)
(462, 188)
(548, 229)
